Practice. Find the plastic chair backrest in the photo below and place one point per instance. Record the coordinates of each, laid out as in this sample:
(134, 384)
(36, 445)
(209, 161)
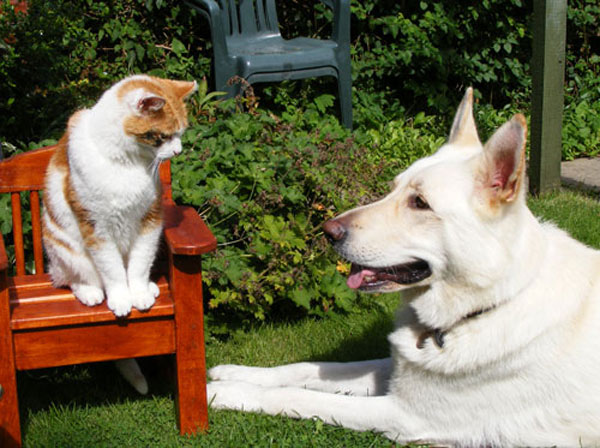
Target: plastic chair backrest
(246, 18)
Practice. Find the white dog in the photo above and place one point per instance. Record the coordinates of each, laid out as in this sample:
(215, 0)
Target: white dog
(500, 341)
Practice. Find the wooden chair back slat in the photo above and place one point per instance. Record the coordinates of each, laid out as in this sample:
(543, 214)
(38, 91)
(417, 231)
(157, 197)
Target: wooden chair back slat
(15, 199)
(36, 230)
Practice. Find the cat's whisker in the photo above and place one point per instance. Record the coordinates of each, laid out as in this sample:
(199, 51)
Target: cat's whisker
(154, 168)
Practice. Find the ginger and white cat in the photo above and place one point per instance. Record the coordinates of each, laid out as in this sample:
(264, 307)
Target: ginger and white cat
(102, 215)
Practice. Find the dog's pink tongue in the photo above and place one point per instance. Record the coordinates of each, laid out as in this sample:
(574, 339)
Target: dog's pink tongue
(356, 278)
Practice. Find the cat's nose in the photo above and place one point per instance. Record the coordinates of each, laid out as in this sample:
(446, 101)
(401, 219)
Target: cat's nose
(177, 148)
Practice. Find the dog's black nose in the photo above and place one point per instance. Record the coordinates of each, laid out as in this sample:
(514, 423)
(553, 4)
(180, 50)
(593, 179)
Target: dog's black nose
(334, 230)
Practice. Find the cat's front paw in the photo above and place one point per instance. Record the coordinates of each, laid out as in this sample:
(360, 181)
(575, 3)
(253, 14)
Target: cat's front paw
(144, 295)
(87, 294)
(119, 301)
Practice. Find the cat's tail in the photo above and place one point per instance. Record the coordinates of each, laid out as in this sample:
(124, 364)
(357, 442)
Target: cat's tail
(130, 370)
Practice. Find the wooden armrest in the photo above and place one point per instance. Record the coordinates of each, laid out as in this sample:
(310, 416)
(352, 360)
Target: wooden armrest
(185, 232)
(3, 256)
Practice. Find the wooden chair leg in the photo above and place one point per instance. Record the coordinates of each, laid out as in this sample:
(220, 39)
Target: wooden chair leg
(186, 284)
(10, 426)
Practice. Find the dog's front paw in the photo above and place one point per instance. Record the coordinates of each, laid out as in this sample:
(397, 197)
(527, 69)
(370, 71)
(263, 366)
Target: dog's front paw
(143, 295)
(229, 372)
(233, 395)
(261, 376)
(119, 301)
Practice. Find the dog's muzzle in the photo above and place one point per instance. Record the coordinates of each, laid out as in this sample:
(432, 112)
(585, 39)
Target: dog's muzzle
(376, 279)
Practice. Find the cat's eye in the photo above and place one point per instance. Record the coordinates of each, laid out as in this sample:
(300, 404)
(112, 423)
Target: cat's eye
(155, 139)
(417, 201)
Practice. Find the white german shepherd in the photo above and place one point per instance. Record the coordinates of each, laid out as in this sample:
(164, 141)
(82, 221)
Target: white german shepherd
(500, 341)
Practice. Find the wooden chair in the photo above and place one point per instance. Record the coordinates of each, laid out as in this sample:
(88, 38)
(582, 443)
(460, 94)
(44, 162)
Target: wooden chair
(247, 42)
(41, 326)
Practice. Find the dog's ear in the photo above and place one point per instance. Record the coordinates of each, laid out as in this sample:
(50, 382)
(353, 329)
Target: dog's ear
(504, 158)
(463, 129)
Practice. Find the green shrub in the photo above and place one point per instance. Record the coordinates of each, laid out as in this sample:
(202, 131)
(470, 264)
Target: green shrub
(581, 118)
(402, 141)
(581, 130)
(427, 52)
(265, 185)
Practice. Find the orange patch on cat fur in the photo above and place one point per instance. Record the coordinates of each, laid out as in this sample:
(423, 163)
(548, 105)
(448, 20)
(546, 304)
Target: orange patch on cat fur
(50, 238)
(47, 234)
(171, 118)
(86, 225)
(60, 161)
(153, 218)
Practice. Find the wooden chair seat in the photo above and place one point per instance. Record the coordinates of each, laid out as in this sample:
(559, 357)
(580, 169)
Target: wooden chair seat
(37, 304)
(42, 326)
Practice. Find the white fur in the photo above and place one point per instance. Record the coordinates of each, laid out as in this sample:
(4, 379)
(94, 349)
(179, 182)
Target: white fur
(130, 370)
(522, 373)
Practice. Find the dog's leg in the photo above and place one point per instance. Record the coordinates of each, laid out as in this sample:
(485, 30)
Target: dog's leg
(364, 378)
(383, 414)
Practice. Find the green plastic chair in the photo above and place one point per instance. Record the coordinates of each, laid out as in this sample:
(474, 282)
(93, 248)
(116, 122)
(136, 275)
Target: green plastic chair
(247, 43)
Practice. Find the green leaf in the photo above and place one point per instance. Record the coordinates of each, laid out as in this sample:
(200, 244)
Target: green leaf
(301, 297)
(178, 47)
(323, 102)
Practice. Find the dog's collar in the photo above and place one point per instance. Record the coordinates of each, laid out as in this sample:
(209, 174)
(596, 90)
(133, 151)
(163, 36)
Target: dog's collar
(438, 335)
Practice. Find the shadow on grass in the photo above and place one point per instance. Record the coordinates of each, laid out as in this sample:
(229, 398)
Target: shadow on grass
(91, 385)
(368, 342)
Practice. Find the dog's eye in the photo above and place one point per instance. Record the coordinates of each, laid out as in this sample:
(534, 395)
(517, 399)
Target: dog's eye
(417, 201)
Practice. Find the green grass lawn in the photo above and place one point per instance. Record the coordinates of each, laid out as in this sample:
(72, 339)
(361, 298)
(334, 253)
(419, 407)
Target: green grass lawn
(90, 405)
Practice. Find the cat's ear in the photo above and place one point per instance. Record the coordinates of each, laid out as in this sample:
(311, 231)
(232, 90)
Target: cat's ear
(150, 103)
(183, 89)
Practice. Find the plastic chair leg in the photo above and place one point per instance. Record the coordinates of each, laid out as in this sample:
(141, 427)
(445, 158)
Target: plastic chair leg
(345, 95)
